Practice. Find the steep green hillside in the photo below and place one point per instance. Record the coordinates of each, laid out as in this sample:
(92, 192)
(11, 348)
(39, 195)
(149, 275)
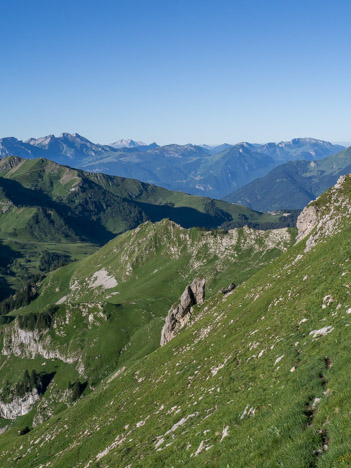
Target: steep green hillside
(260, 377)
(46, 206)
(108, 309)
(116, 204)
(293, 184)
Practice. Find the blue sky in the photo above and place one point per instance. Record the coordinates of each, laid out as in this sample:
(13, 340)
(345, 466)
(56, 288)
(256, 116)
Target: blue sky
(176, 71)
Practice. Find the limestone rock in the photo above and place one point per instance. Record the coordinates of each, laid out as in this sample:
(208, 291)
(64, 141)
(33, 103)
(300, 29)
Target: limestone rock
(325, 220)
(19, 405)
(306, 221)
(28, 344)
(340, 182)
(179, 315)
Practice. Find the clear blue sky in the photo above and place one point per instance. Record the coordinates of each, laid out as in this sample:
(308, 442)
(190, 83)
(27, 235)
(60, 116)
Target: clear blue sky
(176, 70)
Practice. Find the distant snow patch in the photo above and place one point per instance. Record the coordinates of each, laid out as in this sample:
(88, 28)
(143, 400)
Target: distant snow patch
(117, 442)
(102, 278)
(180, 423)
(297, 259)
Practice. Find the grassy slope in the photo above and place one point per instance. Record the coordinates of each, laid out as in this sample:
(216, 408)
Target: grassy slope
(117, 326)
(248, 384)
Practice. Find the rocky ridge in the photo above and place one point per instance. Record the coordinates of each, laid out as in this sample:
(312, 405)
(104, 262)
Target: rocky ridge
(324, 219)
(144, 242)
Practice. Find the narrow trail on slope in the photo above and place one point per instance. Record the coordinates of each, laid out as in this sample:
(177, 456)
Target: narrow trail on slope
(310, 411)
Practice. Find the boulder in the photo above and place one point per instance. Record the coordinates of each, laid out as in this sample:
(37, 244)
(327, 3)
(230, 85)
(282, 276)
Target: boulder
(180, 314)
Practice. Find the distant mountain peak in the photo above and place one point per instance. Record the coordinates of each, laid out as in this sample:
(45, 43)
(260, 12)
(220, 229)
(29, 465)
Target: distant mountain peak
(9, 139)
(41, 140)
(127, 143)
(73, 136)
(303, 141)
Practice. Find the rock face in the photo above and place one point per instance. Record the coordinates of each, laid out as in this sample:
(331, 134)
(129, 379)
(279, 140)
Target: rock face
(306, 221)
(19, 405)
(28, 344)
(327, 218)
(179, 315)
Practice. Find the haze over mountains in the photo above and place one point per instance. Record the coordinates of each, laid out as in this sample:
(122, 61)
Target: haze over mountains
(293, 184)
(199, 170)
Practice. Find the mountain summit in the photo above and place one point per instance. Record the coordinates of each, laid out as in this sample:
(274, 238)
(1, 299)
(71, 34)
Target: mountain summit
(127, 143)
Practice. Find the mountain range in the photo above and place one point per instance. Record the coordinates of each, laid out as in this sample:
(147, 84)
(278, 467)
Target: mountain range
(198, 170)
(293, 184)
(256, 373)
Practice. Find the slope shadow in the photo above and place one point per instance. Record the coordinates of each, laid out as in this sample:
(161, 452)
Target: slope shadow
(7, 256)
(45, 380)
(82, 225)
(184, 216)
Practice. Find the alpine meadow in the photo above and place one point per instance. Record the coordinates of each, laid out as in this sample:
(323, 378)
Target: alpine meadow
(175, 226)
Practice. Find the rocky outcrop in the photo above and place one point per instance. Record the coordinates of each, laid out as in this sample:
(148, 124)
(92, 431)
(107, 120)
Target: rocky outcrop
(28, 344)
(19, 405)
(326, 219)
(306, 222)
(179, 315)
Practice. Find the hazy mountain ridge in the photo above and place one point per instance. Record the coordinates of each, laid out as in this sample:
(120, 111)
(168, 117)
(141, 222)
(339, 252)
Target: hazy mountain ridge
(199, 170)
(300, 148)
(294, 184)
